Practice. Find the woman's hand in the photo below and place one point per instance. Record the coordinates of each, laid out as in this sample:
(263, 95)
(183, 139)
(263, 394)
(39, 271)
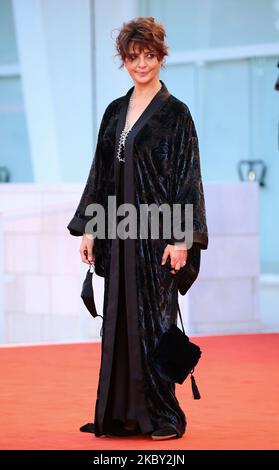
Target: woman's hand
(86, 249)
(178, 255)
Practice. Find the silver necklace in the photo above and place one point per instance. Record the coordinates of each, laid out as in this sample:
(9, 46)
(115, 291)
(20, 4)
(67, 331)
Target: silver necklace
(124, 133)
(127, 124)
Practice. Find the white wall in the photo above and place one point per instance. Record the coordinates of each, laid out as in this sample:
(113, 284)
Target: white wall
(2, 305)
(43, 273)
(226, 296)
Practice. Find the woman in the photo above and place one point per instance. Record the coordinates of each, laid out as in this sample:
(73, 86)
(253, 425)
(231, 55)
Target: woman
(147, 152)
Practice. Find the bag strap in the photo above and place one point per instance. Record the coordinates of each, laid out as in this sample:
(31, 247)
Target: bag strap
(180, 316)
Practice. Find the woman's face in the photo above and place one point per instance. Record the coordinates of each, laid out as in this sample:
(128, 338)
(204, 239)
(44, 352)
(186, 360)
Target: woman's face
(143, 66)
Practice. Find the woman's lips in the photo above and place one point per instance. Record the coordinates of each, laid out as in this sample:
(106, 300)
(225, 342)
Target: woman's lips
(142, 73)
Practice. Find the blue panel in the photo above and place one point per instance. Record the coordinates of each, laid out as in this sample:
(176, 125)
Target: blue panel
(8, 49)
(217, 96)
(14, 148)
(234, 103)
(203, 24)
(236, 111)
(265, 145)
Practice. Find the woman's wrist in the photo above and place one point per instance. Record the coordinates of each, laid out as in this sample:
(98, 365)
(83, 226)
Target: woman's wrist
(89, 236)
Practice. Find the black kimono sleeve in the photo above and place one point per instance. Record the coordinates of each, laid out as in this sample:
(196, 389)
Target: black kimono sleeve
(187, 186)
(77, 224)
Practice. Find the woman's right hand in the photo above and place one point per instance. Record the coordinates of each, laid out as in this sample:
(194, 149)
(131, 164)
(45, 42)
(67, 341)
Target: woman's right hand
(86, 249)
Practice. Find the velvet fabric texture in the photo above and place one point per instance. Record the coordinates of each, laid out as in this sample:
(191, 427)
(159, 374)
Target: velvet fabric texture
(162, 165)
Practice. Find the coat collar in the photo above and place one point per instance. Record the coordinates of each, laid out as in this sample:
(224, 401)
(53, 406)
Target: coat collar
(157, 101)
(153, 107)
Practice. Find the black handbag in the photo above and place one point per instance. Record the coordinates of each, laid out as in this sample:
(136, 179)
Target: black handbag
(175, 357)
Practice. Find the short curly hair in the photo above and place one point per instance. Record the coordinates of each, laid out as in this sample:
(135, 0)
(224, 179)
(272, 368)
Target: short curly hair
(143, 32)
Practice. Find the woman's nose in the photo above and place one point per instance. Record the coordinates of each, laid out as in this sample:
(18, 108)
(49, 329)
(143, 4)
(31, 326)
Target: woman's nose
(142, 60)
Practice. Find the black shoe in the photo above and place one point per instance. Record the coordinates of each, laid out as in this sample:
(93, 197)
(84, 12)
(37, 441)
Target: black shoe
(166, 432)
(124, 432)
(89, 427)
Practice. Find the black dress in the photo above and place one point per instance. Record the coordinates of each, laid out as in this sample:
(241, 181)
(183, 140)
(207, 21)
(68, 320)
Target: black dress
(162, 165)
(121, 401)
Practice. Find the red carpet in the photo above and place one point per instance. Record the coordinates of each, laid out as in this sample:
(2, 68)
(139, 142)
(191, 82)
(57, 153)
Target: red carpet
(47, 392)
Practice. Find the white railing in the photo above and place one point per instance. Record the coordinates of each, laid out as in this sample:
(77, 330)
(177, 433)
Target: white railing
(221, 54)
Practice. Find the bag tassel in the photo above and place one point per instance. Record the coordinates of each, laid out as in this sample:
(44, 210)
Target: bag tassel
(195, 390)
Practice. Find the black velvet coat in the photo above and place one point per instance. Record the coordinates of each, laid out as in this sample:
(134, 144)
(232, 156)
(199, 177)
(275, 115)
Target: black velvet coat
(162, 165)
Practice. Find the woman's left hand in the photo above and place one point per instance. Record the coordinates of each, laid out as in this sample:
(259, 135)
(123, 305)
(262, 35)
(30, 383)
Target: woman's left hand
(178, 255)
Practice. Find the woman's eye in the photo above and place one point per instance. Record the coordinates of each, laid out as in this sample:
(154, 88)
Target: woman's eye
(150, 55)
